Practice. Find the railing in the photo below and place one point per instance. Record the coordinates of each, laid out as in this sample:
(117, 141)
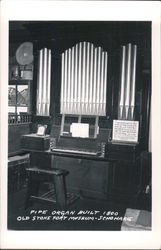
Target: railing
(19, 119)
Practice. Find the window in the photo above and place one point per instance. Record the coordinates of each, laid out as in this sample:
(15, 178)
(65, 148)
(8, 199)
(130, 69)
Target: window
(18, 101)
(18, 98)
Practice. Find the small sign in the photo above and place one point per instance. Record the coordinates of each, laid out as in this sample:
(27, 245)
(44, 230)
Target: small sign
(125, 131)
(41, 130)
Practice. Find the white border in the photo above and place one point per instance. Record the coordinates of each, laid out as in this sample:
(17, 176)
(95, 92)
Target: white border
(82, 10)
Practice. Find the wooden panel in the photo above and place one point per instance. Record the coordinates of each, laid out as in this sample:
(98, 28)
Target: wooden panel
(14, 136)
(17, 175)
(35, 142)
(123, 182)
(40, 160)
(95, 178)
(120, 177)
(86, 177)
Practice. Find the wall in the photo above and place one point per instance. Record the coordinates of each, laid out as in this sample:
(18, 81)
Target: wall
(14, 137)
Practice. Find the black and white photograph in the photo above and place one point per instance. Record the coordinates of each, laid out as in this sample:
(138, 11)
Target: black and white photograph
(79, 138)
(89, 82)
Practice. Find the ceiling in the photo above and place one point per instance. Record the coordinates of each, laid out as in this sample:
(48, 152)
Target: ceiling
(63, 34)
(19, 30)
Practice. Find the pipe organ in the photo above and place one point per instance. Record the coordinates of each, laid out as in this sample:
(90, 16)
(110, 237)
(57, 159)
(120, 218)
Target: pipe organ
(127, 85)
(98, 121)
(44, 82)
(84, 80)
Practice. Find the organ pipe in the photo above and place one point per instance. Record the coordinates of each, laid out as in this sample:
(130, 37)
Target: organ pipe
(75, 79)
(87, 79)
(105, 84)
(44, 82)
(72, 77)
(122, 81)
(39, 88)
(79, 77)
(128, 73)
(102, 79)
(69, 81)
(91, 77)
(127, 82)
(48, 81)
(98, 88)
(84, 80)
(62, 79)
(83, 77)
(133, 82)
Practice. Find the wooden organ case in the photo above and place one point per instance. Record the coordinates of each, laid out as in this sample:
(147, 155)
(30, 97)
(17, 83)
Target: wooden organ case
(99, 167)
(130, 130)
(78, 148)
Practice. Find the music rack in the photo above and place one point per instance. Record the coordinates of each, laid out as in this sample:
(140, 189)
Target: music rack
(79, 121)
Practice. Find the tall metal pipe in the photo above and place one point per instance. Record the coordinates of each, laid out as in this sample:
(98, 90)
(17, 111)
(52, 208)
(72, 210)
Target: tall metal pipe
(98, 82)
(39, 82)
(95, 81)
(43, 84)
(79, 77)
(128, 73)
(48, 81)
(122, 85)
(62, 85)
(87, 80)
(132, 103)
(102, 81)
(69, 81)
(76, 80)
(91, 77)
(127, 86)
(72, 79)
(105, 85)
(65, 81)
(85, 75)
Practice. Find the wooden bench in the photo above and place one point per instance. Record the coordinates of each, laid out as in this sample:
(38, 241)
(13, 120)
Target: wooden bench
(37, 176)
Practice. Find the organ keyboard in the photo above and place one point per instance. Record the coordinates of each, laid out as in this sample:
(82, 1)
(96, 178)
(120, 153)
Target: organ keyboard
(75, 151)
